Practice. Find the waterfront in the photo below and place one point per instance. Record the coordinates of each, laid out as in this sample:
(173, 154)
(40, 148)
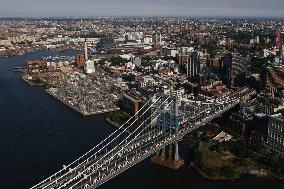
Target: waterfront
(38, 135)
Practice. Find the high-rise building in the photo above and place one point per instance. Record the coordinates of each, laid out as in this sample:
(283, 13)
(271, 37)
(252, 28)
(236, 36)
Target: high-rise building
(278, 40)
(233, 66)
(191, 61)
(279, 43)
(182, 58)
(275, 137)
(239, 69)
(193, 65)
(226, 65)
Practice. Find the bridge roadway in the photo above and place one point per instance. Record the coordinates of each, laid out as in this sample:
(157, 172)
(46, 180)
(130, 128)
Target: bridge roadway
(98, 170)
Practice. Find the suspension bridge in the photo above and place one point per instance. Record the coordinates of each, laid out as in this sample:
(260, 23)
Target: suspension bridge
(158, 124)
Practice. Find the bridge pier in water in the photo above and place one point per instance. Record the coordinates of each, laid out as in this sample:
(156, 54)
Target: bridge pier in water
(169, 121)
(172, 160)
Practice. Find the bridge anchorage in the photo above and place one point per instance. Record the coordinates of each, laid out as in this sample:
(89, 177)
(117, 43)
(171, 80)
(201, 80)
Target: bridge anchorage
(154, 127)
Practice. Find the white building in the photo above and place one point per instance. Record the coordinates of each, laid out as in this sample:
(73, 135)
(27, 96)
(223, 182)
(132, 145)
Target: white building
(222, 137)
(90, 67)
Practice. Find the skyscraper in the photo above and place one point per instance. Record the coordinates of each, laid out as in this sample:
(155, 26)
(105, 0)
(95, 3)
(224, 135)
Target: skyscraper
(191, 62)
(226, 65)
(193, 65)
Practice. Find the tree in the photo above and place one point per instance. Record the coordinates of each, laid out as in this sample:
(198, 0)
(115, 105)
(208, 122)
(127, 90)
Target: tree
(227, 171)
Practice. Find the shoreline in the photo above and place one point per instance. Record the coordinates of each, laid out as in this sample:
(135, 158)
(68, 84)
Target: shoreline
(36, 50)
(214, 178)
(245, 171)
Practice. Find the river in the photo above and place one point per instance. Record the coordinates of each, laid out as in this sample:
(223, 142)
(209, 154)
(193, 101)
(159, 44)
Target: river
(38, 135)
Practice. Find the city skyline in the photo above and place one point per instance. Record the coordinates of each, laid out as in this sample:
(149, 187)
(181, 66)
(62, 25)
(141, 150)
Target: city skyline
(89, 8)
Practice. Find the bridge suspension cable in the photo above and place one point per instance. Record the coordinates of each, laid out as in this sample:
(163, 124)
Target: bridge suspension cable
(77, 162)
(121, 146)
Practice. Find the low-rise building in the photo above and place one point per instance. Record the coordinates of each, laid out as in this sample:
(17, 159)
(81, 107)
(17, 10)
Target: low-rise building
(36, 66)
(222, 137)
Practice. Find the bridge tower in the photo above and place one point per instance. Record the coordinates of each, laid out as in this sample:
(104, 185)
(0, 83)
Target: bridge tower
(169, 122)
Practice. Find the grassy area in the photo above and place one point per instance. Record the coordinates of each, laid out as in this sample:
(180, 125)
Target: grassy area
(118, 117)
(231, 159)
(215, 159)
(215, 163)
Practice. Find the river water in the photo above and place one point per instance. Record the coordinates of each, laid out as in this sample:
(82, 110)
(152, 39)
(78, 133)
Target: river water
(38, 135)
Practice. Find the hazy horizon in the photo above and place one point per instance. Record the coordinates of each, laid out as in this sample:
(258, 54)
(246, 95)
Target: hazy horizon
(128, 8)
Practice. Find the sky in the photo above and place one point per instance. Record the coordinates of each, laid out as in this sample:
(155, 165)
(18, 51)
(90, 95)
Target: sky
(191, 8)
